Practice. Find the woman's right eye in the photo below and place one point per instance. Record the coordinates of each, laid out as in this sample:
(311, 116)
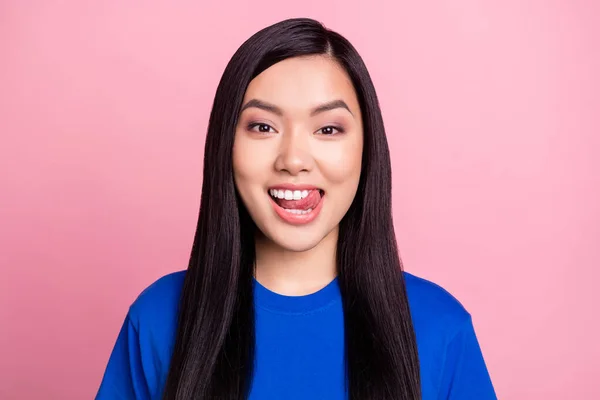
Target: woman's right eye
(260, 128)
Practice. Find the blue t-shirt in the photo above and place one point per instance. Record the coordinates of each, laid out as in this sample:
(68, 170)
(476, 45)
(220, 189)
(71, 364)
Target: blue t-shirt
(300, 345)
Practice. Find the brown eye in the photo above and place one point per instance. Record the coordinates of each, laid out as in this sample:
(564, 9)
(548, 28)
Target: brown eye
(261, 128)
(329, 130)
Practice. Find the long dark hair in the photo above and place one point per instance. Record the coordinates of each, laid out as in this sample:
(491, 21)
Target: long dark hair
(213, 355)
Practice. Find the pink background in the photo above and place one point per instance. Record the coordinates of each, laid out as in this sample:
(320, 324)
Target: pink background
(492, 111)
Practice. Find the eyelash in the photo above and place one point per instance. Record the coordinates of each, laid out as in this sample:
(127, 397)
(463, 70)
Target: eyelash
(253, 125)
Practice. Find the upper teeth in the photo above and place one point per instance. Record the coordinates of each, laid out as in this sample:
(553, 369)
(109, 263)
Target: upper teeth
(289, 194)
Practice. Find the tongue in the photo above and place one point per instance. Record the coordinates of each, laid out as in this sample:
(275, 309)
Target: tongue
(309, 201)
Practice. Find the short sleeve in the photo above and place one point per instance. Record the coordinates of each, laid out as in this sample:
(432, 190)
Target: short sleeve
(465, 375)
(124, 376)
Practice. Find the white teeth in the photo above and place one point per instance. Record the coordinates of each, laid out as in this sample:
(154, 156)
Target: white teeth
(289, 194)
(299, 212)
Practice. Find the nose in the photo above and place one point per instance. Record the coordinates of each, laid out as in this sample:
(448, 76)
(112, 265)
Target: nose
(294, 156)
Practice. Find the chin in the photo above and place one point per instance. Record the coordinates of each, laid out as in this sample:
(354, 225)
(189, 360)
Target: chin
(296, 241)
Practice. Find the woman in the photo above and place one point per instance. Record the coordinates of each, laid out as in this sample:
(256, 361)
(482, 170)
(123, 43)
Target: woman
(294, 288)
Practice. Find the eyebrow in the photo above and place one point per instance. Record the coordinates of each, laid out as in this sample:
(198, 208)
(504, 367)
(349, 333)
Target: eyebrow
(263, 105)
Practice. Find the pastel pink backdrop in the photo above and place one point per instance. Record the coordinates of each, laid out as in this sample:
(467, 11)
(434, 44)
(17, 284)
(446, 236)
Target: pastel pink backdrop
(492, 113)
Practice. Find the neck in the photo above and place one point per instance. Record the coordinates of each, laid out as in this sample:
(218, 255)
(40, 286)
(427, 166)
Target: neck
(296, 273)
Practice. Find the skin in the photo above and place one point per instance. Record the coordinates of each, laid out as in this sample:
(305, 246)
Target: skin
(295, 144)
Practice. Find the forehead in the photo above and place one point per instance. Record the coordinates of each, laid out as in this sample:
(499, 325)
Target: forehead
(302, 83)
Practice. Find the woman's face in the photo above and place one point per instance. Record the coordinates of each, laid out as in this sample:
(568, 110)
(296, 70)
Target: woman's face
(298, 149)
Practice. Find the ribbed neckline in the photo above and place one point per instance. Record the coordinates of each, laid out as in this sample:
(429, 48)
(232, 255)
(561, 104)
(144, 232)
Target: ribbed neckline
(270, 300)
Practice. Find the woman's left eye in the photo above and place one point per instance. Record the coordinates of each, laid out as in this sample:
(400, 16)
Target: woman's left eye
(329, 130)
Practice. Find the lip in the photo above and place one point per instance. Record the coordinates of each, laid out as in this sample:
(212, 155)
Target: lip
(292, 186)
(296, 219)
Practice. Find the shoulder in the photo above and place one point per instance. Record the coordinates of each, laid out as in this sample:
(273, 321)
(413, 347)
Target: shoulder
(434, 310)
(142, 354)
(451, 362)
(159, 302)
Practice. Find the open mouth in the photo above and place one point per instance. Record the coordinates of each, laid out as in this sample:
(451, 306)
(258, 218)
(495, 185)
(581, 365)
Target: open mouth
(297, 206)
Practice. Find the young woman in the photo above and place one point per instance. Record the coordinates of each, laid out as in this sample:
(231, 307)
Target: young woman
(294, 288)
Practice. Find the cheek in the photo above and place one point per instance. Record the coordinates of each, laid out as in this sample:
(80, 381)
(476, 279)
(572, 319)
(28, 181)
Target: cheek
(341, 162)
(250, 164)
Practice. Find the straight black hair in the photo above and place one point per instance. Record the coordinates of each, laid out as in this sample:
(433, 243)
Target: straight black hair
(213, 356)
